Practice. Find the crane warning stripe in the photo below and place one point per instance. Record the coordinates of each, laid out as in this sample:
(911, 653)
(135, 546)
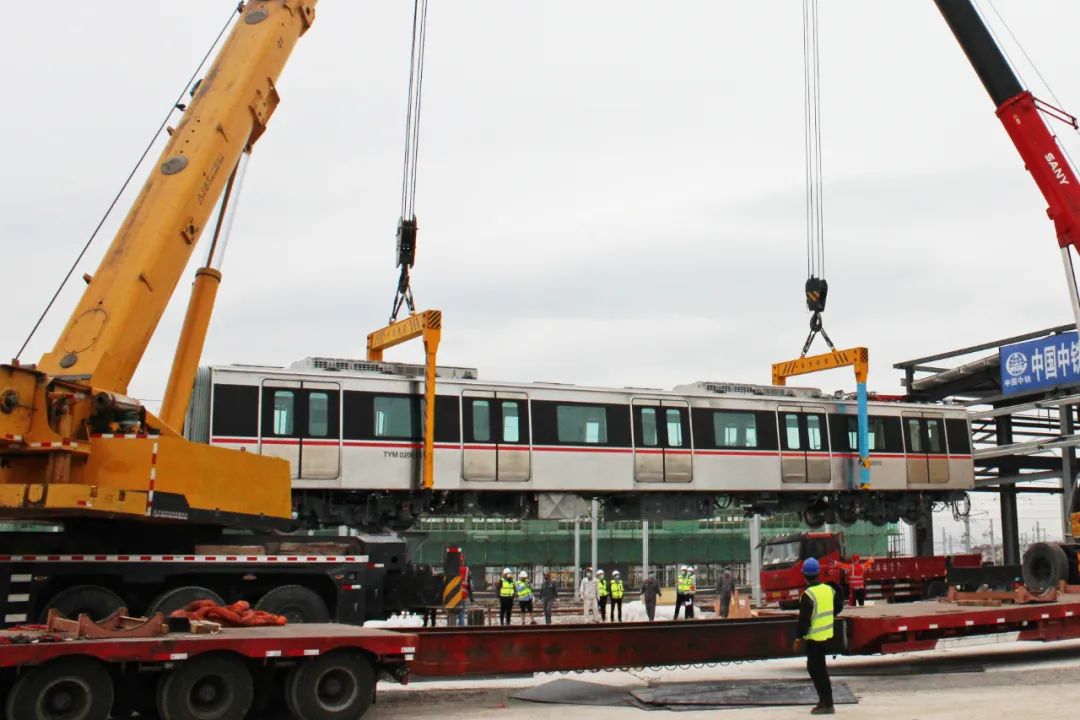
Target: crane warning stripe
(452, 593)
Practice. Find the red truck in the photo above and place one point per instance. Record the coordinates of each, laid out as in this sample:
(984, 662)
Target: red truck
(894, 579)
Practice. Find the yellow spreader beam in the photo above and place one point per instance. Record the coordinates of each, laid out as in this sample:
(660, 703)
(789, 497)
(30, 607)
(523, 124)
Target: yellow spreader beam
(426, 325)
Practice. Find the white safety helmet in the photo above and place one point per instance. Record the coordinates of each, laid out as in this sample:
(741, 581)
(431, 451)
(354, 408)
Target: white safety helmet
(615, 574)
(684, 568)
(507, 571)
(523, 574)
(599, 572)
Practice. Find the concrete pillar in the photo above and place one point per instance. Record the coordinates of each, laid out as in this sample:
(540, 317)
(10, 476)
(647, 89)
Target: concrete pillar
(595, 529)
(1010, 529)
(644, 550)
(755, 559)
(577, 558)
(1068, 473)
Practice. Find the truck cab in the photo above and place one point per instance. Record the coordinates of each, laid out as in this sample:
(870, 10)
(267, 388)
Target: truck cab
(782, 563)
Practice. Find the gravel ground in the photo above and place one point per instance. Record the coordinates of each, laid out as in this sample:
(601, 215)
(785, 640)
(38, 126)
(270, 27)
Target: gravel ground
(1017, 680)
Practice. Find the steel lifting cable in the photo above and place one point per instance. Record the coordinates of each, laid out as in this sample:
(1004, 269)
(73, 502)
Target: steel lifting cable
(407, 227)
(816, 287)
(178, 105)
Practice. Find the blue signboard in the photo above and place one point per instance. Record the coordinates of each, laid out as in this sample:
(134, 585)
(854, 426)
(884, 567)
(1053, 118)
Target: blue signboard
(1043, 363)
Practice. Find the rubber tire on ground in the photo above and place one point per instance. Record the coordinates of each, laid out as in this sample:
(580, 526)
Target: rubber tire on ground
(84, 677)
(226, 675)
(337, 686)
(179, 598)
(296, 602)
(1044, 566)
(935, 589)
(94, 600)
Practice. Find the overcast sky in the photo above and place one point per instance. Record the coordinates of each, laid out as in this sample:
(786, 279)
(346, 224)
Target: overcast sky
(609, 192)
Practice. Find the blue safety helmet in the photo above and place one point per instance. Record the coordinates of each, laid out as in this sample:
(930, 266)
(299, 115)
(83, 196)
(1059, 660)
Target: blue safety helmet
(810, 568)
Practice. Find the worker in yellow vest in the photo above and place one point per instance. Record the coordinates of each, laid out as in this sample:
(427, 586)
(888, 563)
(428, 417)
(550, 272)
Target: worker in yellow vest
(685, 587)
(615, 587)
(818, 609)
(507, 593)
(525, 597)
(601, 594)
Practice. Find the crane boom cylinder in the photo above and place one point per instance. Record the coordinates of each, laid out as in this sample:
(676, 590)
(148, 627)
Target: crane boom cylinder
(108, 332)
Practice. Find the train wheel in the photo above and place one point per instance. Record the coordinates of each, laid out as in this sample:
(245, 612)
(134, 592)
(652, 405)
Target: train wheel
(72, 688)
(207, 687)
(335, 686)
(179, 598)
(814, 516)
(297, 603)
(93, 600)
(1044, 566)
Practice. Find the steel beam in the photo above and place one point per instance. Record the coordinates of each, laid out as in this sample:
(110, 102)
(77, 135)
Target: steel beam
(1068, 473)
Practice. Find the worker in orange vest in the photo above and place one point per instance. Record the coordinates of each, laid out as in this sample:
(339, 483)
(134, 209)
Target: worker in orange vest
(857, 582)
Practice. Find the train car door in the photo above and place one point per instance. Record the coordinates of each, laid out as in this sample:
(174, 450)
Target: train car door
(513, 450)
(924, 441)
(479, 456)
(678, 458)
(804, 445)
(279, 434)
(320, 430)
(648, 450)
(661, 441)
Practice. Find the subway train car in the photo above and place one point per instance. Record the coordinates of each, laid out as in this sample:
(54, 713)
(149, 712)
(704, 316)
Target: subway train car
(351, 430)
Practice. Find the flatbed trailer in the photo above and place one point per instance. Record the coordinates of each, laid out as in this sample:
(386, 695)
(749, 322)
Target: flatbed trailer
(317, 670)
(871, 630)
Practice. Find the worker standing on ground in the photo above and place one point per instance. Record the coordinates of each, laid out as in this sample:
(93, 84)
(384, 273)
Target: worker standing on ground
(857, 582)
(615, 588)
(588, 597)
(601, 594)
(650, 591)
(725, 589)
(684, 592)
(507, 591)
(525, 597)
(548, 595)
(818, 607)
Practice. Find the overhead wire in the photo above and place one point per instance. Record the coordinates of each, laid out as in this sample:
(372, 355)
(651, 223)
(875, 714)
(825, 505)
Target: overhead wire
(177, 105)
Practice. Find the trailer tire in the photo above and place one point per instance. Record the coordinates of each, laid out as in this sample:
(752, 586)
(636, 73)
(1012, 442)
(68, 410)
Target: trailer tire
(179, 598)
(216, 686)
(1044, 566)
(296, 602)
(335, 686)
(935, 589)
(96, 601)
(77, 687)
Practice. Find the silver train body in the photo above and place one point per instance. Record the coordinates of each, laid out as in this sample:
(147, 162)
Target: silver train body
(351, 431)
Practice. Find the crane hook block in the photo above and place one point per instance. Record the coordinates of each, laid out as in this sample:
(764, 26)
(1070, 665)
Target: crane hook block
(406, 242)
(817, 289)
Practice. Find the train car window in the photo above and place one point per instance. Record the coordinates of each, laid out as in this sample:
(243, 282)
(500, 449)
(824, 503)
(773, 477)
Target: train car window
(876, 439)
(236, 411)
(958, 435)
(481, 420)
(318, 414)
(586, 424)
(649, 436)
(674, 428)
(815, 434)
(396, 417)
(894, 435)
(935, 436)
(284, 412)
(511, 422)
(914, 435)
(735, 429)
(791, 431)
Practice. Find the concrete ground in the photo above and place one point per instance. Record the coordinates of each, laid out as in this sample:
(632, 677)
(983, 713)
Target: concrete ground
(1016, 680)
